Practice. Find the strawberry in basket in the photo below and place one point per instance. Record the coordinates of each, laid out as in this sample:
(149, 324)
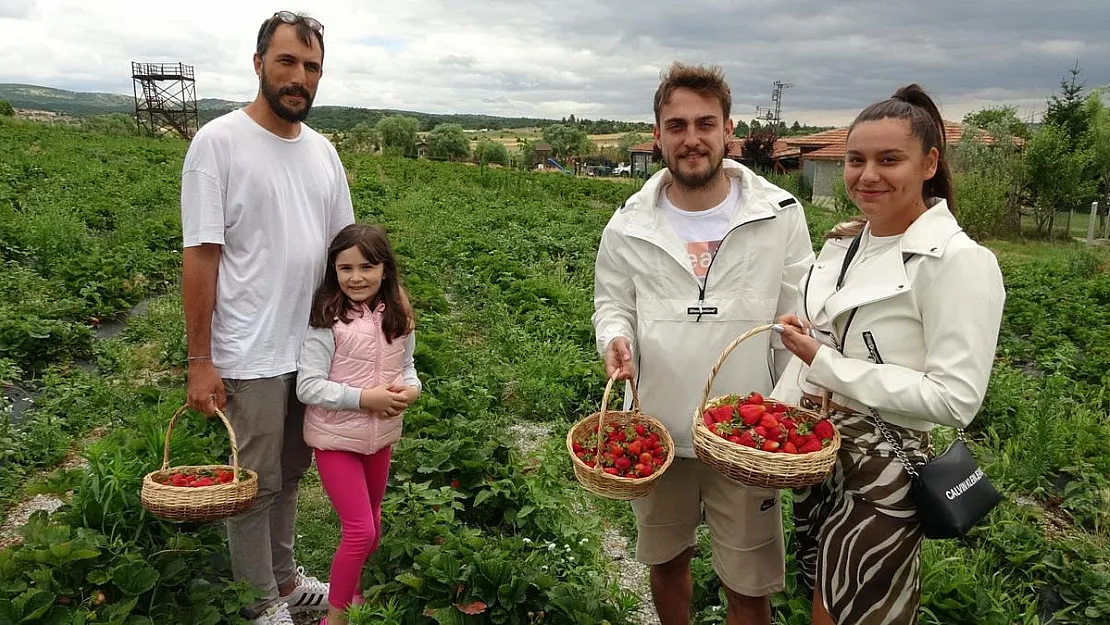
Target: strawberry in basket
(632, 451)
(769, 426)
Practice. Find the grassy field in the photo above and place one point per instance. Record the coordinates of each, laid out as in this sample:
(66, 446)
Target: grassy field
(500, 266)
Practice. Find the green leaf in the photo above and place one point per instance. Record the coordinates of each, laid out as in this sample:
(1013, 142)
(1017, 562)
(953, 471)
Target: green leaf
(117, 611)
(525, 511)
(410, 580)
(134, 578)
(482, 497)
(175, 571)
(35, 604)
(99, 577)
(81, 554)
(12, 586)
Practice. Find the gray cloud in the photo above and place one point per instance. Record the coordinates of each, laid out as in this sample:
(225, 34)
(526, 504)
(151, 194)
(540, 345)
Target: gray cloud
(17, 9)
(553, 58)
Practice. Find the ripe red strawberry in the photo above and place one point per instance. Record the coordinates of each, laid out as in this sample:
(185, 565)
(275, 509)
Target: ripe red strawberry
(611, 471)
(789, 448)
(455, 484)
(733, 438)
(640, 429)
(769, 421)
(750, 414)
(646, 471)
(770, 445)
(622, 464)
(616, 450)
(707, 418)
(747, 440)
(645, 458)
(776, 408)
(823, 429)
(634, 448)
(755, 399)
(810, 447)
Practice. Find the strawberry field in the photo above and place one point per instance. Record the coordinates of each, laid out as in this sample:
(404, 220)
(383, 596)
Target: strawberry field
(484, 522)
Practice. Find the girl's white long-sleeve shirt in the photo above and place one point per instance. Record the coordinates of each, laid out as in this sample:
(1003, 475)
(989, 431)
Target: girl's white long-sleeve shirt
(313, 365)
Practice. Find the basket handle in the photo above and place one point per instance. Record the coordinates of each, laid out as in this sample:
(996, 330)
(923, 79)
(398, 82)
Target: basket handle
(825, 402)
(230, 434)
(605, 407)
(721, 362)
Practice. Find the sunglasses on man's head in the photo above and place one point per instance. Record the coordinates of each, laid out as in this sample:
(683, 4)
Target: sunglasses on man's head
(290, 17)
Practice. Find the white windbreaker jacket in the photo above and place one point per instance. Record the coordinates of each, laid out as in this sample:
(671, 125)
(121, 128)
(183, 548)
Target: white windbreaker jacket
(930, 308)
(645, 290)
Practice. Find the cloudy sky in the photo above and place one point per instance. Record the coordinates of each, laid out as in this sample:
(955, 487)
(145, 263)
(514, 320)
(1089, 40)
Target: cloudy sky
(551, 58)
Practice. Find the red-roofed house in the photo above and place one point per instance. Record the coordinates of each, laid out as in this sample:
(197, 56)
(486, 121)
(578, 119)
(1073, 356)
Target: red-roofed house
(822, 155)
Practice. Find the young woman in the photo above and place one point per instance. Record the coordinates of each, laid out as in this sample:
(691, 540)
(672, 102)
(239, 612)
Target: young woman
(356, 375)
(898, 320)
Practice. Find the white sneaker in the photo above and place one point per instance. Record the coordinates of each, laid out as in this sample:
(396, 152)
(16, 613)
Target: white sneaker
(278, 614)
(310, 594)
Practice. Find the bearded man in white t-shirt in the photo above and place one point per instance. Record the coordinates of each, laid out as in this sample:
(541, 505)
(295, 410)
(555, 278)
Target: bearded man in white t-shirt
(705, 251)
(262, 196)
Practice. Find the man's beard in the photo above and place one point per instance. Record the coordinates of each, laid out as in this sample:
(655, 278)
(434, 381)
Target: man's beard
(273, 97)
(695, 180)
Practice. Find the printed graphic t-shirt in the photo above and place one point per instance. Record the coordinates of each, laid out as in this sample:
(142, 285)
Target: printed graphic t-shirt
(702, 231)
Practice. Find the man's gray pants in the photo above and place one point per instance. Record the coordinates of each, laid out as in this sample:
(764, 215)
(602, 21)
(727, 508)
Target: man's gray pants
(268, 421)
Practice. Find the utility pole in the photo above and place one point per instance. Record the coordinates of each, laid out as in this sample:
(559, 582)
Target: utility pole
(773, 113)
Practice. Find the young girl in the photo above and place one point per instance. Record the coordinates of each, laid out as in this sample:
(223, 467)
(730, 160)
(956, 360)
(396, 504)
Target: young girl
(356, 376)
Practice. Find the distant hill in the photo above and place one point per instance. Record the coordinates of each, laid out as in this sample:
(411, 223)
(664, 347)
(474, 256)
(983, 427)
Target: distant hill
(333, 118)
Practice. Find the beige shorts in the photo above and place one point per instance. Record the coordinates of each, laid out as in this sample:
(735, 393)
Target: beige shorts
(745, 526)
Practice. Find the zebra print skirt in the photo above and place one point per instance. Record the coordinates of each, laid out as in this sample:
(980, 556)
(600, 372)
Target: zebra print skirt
(857, 534)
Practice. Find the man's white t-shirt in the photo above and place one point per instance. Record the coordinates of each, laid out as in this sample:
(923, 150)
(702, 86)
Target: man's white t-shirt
(702, 231)
(274, 205)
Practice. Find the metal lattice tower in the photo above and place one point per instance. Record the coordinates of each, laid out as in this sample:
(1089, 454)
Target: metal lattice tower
(165, 99)
(773, 113)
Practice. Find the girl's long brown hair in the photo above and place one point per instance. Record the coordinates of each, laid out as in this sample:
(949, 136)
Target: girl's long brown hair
(330, 304)
(912, 104)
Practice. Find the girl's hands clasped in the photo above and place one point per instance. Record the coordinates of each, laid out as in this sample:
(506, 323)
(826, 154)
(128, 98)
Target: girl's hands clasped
(382, 400)
(797, 336)
(387, 400)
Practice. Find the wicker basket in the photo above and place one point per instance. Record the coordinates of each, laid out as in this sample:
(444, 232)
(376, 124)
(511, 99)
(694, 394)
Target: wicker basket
(756, 467)
(201, 503)
(593, 478)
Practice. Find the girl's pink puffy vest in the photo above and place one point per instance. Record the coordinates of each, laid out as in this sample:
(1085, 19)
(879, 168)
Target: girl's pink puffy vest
(362, 359)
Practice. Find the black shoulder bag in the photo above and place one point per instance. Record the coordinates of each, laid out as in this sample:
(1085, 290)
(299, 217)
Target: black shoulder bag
(951, 492)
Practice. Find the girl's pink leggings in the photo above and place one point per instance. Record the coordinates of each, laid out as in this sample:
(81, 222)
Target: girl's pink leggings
(355, 483)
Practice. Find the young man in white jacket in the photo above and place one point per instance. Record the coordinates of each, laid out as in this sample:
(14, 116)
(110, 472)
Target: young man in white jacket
(704, 252)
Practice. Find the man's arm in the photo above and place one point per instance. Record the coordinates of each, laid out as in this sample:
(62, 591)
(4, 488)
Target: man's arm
(200, 267)
(342, 209)
(614, 310)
